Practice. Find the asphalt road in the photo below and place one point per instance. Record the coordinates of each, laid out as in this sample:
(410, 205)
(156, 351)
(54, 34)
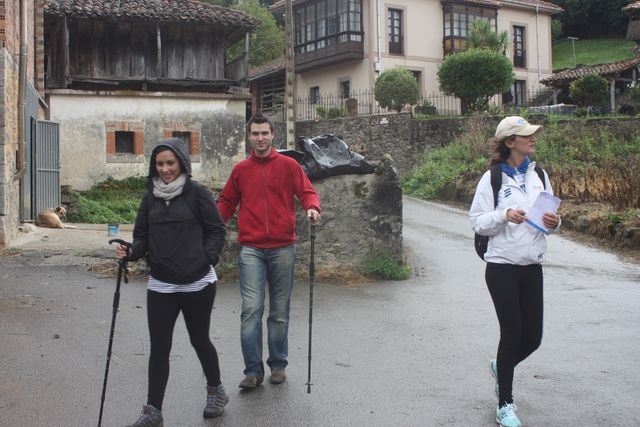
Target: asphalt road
(410, 353)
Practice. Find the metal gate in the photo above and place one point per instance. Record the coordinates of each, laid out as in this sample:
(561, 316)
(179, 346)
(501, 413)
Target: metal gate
(46, 170)
(41, 188)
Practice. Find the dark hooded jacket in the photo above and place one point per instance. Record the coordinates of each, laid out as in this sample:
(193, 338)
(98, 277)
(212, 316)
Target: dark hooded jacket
(182, 239)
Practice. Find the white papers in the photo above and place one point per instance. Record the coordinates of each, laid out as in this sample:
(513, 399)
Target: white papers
(546, 202)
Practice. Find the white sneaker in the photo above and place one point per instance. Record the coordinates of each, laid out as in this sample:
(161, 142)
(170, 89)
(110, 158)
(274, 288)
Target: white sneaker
(493, 366)
(506, 416)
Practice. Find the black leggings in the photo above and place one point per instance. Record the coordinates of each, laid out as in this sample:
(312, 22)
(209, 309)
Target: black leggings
(162, 312)
(517, 296)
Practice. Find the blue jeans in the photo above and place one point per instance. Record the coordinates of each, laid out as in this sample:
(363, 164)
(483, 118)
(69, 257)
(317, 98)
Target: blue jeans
(258, 266)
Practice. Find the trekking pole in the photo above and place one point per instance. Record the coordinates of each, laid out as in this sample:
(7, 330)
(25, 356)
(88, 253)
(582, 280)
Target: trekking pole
(312, 272)
(122, 271)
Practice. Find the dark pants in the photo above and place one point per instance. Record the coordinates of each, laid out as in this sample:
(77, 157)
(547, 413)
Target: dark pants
(162, 312)
(516, 292)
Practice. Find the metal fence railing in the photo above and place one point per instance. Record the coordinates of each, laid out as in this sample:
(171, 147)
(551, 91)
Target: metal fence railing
(363, 102)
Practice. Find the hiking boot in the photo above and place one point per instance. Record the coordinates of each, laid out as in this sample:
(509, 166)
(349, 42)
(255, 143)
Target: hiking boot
(506, 416)
(493, 366)
(278, 376)
(150, 417)
(250, 382)
(216, 399)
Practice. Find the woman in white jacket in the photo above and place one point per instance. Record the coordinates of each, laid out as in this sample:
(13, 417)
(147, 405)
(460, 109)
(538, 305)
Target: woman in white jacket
(514, 254)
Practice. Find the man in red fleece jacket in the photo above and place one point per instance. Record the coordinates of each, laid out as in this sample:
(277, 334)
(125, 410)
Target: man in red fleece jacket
(264, 185)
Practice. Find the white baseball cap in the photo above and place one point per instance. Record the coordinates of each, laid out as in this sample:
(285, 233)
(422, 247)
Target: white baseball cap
(515, 125)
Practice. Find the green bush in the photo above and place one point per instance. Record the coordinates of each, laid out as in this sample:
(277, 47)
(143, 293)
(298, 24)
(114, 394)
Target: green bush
(383, 265)
(564, 151)
(634, 94)
(589, 91)
(426, 108)
(109, 202)
(475, 76)
(466, 155)
(396, 88)
(331, 112)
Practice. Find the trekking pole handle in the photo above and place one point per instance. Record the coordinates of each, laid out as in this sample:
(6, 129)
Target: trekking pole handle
(123, 243)
(120, 241)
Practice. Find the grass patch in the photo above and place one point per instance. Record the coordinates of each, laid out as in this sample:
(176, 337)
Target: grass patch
(109, 202)
(581, 161)
(383, 265)
(591, 52)
(466, 155)
(10, 251)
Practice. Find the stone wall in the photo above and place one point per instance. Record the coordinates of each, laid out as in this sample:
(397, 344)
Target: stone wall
(407, 140)
(397, 135)
(9, 188)
(361, 214)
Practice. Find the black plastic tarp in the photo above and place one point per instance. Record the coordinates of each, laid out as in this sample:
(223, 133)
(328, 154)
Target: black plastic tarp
(327, 155)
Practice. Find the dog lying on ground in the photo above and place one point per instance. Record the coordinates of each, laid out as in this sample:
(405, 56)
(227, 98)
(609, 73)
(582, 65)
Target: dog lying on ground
(52, 218)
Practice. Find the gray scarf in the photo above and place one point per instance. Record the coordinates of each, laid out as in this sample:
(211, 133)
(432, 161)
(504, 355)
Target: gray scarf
(168, 191)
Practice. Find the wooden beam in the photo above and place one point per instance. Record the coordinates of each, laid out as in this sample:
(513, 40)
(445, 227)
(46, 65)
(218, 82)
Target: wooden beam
(290, 76)
(159, 40)
(65, 51)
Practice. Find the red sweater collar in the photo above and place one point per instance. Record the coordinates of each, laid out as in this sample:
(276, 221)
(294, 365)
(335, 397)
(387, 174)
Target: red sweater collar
(272, 155)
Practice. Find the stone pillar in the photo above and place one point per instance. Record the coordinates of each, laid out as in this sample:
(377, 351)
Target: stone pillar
(352, 107)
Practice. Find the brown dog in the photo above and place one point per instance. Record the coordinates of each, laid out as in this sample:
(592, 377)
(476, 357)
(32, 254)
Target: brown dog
(52, 218)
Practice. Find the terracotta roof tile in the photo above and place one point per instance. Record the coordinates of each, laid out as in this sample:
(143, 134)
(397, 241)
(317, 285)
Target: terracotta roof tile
(152, 10)
(567, 76)
(277, 64)
(632, 6)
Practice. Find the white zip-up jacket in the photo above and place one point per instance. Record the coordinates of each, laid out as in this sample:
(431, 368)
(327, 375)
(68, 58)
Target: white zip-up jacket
(509, 243)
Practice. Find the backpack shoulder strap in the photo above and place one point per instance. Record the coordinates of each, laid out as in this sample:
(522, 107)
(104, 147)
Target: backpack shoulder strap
(496, 182)
(191, 197)
(540, 173)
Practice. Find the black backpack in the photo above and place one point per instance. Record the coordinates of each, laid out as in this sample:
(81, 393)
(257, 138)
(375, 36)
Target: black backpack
(481, 242)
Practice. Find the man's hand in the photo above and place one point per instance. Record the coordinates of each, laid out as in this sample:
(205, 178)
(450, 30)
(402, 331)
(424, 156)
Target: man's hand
(313, 216)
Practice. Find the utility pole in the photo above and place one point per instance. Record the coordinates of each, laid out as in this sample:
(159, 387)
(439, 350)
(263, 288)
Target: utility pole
(573, 44)
(289, 77)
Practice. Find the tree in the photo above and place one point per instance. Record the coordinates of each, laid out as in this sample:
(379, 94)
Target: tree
(481, 35)
(475, 76)
(589, 91)
(396, 88)
(266, 43)
(593, 18)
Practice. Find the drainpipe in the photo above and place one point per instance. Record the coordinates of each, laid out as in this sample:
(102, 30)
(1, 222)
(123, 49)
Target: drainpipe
(538, 42)
(378, 65)
(22, 82)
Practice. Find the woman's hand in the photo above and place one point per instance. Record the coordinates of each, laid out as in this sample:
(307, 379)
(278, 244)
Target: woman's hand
(121, 252)
(517, 216)
(550, 220)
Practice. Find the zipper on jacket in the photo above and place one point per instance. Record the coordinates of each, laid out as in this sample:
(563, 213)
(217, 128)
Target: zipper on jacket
(264, 191)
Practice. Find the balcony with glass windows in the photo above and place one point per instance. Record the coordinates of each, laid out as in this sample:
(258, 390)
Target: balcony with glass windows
(327, 32)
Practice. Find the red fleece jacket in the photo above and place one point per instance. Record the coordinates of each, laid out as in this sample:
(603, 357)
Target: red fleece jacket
(265, 189)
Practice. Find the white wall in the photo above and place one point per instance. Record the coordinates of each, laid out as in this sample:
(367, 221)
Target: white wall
(82, 117)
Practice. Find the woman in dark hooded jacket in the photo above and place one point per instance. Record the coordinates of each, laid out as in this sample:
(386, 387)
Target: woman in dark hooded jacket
(179, 230)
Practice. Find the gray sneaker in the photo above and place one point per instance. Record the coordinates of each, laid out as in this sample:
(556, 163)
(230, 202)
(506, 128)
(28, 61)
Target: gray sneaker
(150, 417)
(216, 399)
(278, 375)
(250, 382)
